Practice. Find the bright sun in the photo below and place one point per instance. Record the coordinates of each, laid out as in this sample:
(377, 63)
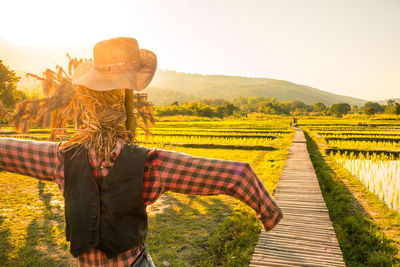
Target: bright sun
(63, 22)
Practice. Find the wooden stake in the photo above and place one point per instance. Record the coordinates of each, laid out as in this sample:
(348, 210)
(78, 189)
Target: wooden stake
(130, 117)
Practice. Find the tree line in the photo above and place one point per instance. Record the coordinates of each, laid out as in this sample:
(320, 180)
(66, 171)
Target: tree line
(268, 105)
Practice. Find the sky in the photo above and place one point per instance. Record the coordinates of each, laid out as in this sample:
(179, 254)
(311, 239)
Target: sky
(348, 47)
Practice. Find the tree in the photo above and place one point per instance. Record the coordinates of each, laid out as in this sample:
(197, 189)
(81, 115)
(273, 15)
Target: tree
(393, 109)
(3, 112)
(340, 109)
(396, 109)
(375, 106)
(225, 110)
(369, 111)
(354, 109)
(391, 102)
(297, 104)
(175, 103)
(230, 109)
(319, 107)
(9, 94)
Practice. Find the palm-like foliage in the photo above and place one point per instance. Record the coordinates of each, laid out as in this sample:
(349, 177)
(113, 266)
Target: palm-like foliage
(73, 64)
(54, 110)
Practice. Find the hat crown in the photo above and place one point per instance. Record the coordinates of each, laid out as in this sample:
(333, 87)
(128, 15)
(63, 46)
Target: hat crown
(117, 63)
(121, 50)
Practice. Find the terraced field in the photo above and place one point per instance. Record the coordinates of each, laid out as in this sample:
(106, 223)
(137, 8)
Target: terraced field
(370, 152)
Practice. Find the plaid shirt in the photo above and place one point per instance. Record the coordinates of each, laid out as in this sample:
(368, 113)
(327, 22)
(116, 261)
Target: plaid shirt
(164, 171)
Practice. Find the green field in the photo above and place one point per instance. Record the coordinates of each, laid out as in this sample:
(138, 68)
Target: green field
(183, 230)
(357, 167)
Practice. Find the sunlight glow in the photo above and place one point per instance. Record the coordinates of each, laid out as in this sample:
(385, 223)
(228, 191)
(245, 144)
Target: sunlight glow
(344, 47)
(45, 22)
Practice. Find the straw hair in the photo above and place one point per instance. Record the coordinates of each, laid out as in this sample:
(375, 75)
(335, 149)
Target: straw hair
(103, 121)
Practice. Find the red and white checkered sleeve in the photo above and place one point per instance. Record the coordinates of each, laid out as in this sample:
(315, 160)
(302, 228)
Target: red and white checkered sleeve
(32, 158)
(183, 173)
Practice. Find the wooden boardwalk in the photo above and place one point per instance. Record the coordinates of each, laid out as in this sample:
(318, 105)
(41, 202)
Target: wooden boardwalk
(305, 236)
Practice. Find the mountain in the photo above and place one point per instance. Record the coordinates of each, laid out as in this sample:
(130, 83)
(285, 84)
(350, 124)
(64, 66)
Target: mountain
(188, 87)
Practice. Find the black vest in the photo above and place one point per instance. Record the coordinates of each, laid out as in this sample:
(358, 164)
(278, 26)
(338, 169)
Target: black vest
(110, 216)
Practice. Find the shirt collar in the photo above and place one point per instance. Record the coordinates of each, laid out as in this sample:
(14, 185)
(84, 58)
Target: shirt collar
(116, 150)
(114, 154)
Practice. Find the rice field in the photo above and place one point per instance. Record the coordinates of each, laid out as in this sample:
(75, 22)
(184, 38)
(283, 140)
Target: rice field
(365, 144)
(199, 230)
(379, 174)
(183, 230)
(369, 151)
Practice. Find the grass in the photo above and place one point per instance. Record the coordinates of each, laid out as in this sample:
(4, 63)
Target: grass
(31, 223)
(361, 238)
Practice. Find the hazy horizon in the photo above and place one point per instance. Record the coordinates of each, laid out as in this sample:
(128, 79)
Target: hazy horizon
(343, 47)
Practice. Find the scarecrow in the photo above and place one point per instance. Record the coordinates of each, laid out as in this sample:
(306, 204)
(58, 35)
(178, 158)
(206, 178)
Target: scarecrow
(106, 180)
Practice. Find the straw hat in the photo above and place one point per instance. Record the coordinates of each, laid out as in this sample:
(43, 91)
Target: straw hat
(117, 63)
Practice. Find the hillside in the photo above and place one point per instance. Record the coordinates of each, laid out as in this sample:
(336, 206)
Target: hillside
(187, 87)
(169, 86)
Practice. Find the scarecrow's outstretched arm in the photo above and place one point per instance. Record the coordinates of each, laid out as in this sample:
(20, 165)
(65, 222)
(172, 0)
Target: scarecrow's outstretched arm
(165, 171)
(183, 173)
(32, 158)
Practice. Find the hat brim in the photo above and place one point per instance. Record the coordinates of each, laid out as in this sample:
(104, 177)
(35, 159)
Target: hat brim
(138, 80)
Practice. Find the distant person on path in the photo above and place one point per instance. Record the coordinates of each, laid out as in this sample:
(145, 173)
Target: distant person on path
(107, 181)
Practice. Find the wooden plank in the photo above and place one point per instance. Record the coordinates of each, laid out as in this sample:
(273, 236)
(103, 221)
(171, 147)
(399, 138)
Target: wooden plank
(304, 259)
(312, 216)
(283, 203)
(289, 244)
(316, 226)
(271, 259)
(305, 212)
(294, 226)
(301, 202)
(301, 254)
(301, 231)
(305, 236)
(309, 220)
